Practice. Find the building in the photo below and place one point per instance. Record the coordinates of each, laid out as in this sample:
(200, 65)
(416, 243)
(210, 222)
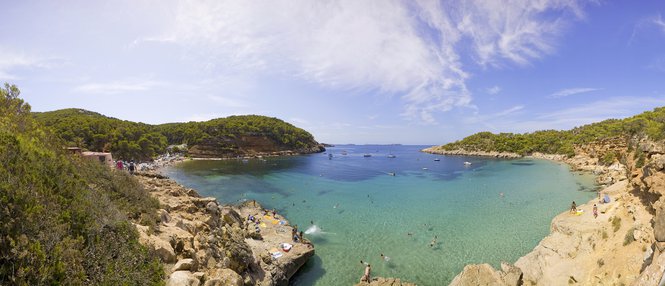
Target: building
(102, 157)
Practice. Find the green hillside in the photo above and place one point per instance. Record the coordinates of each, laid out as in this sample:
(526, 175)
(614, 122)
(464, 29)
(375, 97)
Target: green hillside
(65, 220)
(648, 124)
(131, 140)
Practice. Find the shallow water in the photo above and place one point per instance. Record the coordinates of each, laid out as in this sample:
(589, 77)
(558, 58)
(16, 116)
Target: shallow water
(361, 210)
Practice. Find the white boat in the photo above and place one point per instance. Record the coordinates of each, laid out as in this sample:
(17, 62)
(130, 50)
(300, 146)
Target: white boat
(391, 156)
(467, 163)
(437, 159)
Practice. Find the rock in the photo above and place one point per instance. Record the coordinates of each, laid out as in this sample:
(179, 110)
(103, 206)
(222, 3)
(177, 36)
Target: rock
(380, 281)
(479, 275)
(230, 216)
(164, 216)
(510, 274)
(224, 277)
(659, 225)
(185, 264)
(164, 250)
(182, 278)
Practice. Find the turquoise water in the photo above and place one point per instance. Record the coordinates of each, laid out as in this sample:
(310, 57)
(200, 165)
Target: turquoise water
(364, 211)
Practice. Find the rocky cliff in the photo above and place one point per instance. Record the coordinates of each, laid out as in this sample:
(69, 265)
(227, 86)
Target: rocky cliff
(248, 146)
(622, 246)
(204, 243)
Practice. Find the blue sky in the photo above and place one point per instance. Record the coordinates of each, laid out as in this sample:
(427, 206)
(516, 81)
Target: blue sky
(384, 71)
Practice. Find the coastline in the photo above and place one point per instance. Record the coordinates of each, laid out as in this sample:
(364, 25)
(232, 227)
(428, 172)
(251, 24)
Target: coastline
(202, 242)
(581, 249)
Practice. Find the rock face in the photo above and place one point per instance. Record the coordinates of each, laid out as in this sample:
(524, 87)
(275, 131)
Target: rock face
(380, 281)
(436, 150)
(622, 246)
(485, 275)
(215, 245)
(248, 146)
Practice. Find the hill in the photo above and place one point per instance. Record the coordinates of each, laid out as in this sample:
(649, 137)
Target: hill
(65, 220)
(650, 124)
(222, 137)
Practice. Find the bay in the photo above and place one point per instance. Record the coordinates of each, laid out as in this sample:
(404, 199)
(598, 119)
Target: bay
(490, 211)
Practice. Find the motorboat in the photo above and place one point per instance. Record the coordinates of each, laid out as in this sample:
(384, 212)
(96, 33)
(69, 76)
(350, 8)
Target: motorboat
(391, 156)
(367, 155)
(466, 163)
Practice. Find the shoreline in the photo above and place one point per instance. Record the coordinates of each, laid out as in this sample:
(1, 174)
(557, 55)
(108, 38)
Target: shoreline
(202, 242)
(581, 249)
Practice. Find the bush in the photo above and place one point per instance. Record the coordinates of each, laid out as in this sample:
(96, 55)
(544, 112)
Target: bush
(629, 237)
(616, 223)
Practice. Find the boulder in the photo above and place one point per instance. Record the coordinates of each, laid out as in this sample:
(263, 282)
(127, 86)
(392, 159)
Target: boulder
(510, 274)
(479, 275)
(659, 225)
(224, 277)
(182, 278)
(164, 250)
(185, 264)
(230, 216)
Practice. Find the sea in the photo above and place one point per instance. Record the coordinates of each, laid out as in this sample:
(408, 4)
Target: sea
(429, 215)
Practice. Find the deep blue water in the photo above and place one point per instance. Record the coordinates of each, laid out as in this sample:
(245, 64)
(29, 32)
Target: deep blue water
(364, 211)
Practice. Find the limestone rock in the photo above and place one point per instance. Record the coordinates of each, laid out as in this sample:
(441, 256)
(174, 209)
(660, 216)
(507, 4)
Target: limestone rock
(380, 281)
(185, 264)
(659, 225)
(182, 278)
(230, 216)
(478, 274)
(224, 277)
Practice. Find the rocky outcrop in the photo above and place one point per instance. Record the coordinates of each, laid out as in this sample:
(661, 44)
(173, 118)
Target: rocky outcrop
(623, 245)
(203, 243)
(380, 281)
(485, 275)
(462, 152)
(249, 146)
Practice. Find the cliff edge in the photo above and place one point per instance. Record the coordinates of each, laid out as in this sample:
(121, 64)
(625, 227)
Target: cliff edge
(201, 242)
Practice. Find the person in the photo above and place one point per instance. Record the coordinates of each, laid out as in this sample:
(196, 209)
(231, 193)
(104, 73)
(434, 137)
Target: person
(119, 165)
(254, 203)
(132, 167)
(294, 235)
(385, 258)
(595, 211)
(368, 272)
(573, 208)
(433, 242)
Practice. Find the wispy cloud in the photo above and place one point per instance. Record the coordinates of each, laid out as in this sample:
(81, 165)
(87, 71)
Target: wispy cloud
(486, 119)
(227, 101)
(658, 22)
(11, 60)
(408, 49)
(493, 90)
(573, 91)
(117, 87)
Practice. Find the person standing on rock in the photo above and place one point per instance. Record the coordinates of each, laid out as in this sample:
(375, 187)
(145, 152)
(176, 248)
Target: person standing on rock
(573, 208)
(131, 167)
(595, 211)
(368, 272)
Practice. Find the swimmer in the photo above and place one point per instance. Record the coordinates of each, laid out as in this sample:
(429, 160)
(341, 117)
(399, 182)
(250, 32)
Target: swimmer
(385, 258)
(433, 242)
(336, 206)
(501, 194)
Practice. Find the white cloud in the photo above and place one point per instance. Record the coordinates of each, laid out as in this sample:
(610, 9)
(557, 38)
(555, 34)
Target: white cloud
(494, 90)
(658, 22)
(403, 48)
(10, 61)
(486, 119)
(573, 91)
(117, 87)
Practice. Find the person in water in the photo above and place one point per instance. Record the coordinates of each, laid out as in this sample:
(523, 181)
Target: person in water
(573, 208)
(433, 242)
(385, 258)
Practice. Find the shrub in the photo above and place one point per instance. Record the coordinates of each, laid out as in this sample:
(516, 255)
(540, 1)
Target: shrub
(616, 223)
(629, 237)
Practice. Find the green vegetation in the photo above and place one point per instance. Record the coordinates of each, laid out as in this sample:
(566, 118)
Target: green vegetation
(629, 236)
(130, 140)
(650, 124)
(65, 220)
(616, 223)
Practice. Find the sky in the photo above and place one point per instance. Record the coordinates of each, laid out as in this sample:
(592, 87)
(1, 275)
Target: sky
(348, 71)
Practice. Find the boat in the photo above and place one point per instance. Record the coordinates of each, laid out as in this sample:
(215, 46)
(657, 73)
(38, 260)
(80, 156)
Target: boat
(391, 173)
(330, 155)
(391, 156)
(367, 155)
(466, 163)
(344, 153)
(437, 159)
